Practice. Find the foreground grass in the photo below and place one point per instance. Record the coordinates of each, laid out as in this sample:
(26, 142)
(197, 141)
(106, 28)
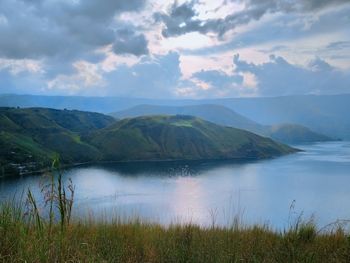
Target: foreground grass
(28, 235)
(23, 240)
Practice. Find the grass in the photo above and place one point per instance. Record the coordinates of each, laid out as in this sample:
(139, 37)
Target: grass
(26, 237)
(23, 240)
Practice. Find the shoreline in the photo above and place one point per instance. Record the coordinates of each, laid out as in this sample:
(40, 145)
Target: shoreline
(65, 166)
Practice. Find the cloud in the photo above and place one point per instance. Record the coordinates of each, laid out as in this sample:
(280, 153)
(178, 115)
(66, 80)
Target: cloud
(289, 33)
(20, 81)
(128, 42)
(80, 47)
(86, 75)
(216, 83)
(338, 45)
(183, 18)
(219, 81)
(70, 29)
(152, 77)
(218, 78)
(160, 76)
(279, 77)
(291, 6)
(14, 66)
(65, 39)
(312, 5)
(319, 65)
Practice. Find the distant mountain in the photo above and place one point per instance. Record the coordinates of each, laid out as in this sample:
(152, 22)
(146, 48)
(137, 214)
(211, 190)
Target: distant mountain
(180, 137)
(30, 138)
(326, 114)
(214, 113)
(93, 104)
(286, 133)
(294, 134)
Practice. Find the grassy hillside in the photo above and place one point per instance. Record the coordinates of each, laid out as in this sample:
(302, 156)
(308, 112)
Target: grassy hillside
(286, 133)
(180, 137)
(31, 137)
(214, 113)
(20, 153)
(72, 120)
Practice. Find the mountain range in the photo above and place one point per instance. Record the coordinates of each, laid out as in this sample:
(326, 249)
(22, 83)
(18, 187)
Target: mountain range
(286, 133)
(326, 114)
(30, 138)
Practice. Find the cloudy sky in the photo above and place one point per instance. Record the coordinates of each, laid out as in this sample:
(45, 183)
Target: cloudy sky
(175, 49)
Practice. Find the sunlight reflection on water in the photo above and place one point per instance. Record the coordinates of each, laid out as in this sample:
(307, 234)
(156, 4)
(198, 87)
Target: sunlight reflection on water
(203, 192)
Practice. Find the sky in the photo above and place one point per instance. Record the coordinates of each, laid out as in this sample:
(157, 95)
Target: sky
(175, 49)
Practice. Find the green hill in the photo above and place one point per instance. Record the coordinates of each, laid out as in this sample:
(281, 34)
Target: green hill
(30, 138)
(214, 113)
(286, 133)
(180, 137)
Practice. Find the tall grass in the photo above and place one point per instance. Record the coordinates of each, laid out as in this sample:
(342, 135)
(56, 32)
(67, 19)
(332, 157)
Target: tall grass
(22, 241)
(28, 236)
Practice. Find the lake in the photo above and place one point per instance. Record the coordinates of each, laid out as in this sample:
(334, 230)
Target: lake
(313, 183)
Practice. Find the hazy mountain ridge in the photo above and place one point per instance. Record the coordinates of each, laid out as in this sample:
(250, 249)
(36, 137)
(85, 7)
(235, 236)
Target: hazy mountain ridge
(326, 114)
(33, 136)
(286, 133)
(294, 133)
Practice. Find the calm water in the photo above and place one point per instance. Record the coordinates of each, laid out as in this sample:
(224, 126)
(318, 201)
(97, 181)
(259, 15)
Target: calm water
(314, 182)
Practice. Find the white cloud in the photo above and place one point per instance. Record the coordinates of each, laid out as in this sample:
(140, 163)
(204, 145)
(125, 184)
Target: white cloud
(3, 20)
(17, 66)
(86, 75)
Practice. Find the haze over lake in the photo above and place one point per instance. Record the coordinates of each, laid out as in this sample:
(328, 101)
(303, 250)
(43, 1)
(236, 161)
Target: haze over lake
(313, 182)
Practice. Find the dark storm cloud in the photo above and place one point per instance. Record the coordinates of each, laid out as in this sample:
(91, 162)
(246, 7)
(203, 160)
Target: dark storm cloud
(181, 19)
(70, 29)
(130, 43)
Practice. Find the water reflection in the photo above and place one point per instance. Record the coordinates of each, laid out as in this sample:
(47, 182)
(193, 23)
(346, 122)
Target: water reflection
(203, 192)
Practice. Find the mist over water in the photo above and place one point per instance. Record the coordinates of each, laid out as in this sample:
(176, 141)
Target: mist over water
(314, 183)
